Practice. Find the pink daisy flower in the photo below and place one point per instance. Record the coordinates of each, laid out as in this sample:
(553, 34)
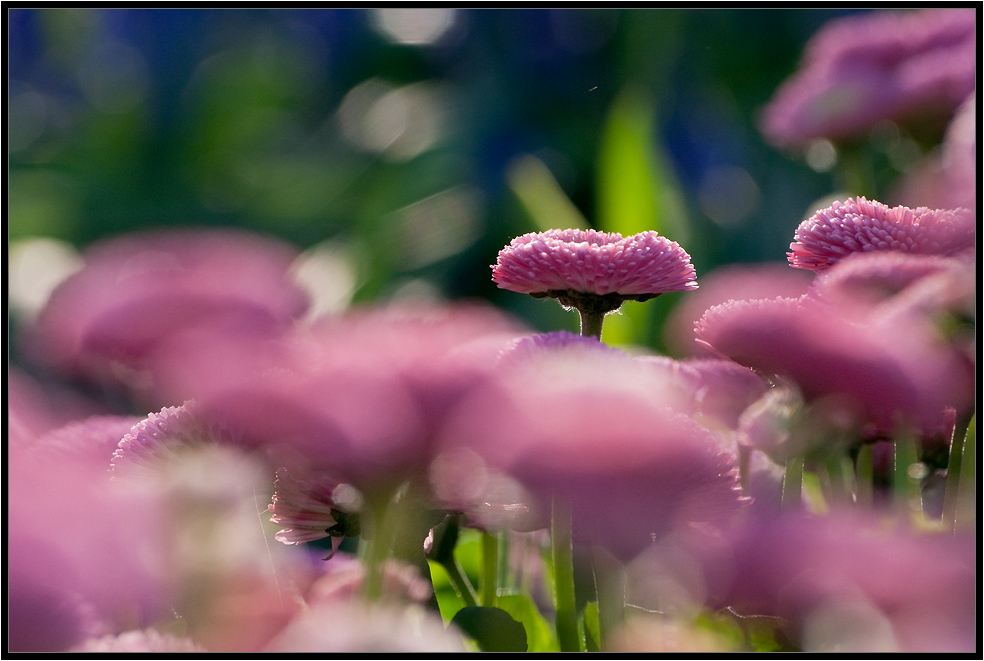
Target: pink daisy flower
(857, 225)
(597, 433)
(894, 589)
(912, 378)
(306, 508)
(138, 290)
(860, 70)
(587, 268)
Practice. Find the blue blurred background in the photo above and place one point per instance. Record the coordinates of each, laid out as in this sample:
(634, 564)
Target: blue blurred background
(407, 146)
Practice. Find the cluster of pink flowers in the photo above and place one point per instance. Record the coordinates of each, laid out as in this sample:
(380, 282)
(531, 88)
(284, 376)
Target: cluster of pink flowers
(884, 66)
(798, 477)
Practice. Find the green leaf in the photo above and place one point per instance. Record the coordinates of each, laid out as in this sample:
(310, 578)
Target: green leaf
(592, 626)
(540, 634)
(448, 600)
(492, 628)
(542, 197)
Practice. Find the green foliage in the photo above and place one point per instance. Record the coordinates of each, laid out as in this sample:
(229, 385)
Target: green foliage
(492, 628)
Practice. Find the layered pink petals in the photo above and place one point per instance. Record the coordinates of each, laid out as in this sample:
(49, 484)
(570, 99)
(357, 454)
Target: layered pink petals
(592, 262)
(359, 397)
(596, 433)
(137, 290)
(847, 582)
(857, 225)
(909, 379)
(858, 71)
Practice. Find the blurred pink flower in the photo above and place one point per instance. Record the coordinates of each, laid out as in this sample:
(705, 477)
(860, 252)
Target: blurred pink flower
(910, 379)
(597, 433)
(359, 397)
(857, 225)
(89, 442)
(532, 347)
(960, 156)
(846, 579)
(145, 641)
(863, 283)
(163, 435)
(735, 281)
(564, 263)
(84, 558)
(137, 289)
(887, 65)
(354, 627)
(718, 389)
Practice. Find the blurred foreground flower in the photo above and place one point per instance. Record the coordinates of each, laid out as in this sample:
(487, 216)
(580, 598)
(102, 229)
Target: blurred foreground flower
(857, 225)
(878, 385)
(596, 431)
(137, 290)
(905, 67)
(846, 582)
(591, 271)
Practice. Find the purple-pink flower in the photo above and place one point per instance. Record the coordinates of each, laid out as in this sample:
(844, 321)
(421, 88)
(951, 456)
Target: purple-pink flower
(846, 579)
(597, 432)
(591, 262)
(304, 506)
(881, 376)
(859, 225)
(137, 290)
(889, 65)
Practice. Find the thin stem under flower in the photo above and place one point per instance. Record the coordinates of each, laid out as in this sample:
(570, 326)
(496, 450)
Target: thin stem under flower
(490, 568)
(953, 472)
(792, 484)
(563, 561)
(591, 323)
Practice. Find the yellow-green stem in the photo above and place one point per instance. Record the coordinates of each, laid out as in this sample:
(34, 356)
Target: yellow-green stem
(490, 565)
(953, 473)
(562, 547)
(864, 493)
(792, 484)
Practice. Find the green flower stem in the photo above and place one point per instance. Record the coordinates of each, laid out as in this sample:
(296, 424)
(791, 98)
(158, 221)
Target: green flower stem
(377, 545)
(953, 473)
(792, 484)
(591, 323)
(563, 561)
(490, 567)
(906, 486)
(505, 575)
(967, 496)
(461, 582)
(610, 588)
(864, 493)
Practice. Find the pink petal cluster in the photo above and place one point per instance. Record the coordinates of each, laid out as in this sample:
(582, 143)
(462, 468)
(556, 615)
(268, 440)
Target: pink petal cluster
(303, 506)
(908, 379)
(359, 397)
(888, 65)
(598, 433)
(809, 570)
(593, 262)
(857, 225)
(725, 283)
(137, 290)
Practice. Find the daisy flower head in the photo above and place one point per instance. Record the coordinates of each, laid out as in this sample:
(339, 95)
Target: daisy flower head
(858, 225)
(592, 271)
(883, 66)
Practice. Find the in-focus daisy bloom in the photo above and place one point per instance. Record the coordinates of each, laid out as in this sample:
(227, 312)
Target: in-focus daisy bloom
(858, 225)
(593, 271)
